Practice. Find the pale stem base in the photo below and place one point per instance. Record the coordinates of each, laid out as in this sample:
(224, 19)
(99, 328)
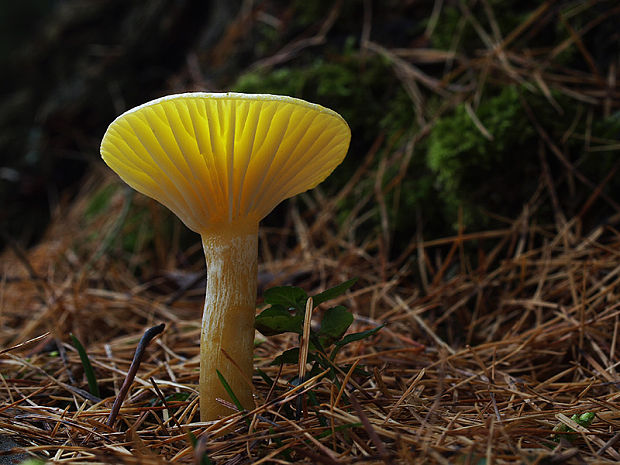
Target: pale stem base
(228, 319)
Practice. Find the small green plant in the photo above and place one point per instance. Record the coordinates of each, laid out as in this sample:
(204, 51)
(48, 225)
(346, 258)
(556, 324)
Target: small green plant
(287, 313)
(93, 387)
(584, 419)
(472, 168)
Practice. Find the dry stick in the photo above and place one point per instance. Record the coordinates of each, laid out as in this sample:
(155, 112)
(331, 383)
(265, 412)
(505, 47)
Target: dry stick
(374, 437)
(24, 344)
(449, 240)
(608, 444)
(80, 392)
(413, 384)
(165, 403)
(273, 385)
(292, 49)
(448, 260)
(304, 346)
(23, 399)
(330, 455)
(133, 369)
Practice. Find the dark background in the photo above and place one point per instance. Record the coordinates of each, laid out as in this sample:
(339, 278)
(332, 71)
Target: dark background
(407, 75)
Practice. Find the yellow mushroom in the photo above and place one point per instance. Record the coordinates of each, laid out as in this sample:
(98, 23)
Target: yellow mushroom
(221, 162)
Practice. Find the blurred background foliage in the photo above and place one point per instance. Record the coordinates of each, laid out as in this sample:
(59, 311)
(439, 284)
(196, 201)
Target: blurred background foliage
(465, 113)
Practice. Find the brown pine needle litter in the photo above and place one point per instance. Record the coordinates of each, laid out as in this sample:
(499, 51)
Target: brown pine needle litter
(539, 316)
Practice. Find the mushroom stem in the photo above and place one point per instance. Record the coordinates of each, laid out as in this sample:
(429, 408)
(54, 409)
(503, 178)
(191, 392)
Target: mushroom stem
(231, 253)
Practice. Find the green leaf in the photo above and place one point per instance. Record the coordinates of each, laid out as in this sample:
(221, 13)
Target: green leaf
(29, 461)
(288, 356)
(266, 378)
(177, 397)
(352, 338)
(358, 336)
(356, 371)
(585, 419)
(335, 323)
(277, 320)
(287, 296)
(333, 292)
(314, 401)
(93, 387)
(292, 356)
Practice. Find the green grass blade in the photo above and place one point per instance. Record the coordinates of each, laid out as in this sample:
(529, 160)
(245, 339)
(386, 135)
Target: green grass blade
(334, 292)
(229, 390)
(232, 395)
(93, 387)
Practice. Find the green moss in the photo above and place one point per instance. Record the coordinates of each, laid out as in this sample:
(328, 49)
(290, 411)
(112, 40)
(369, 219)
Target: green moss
(456, 168)
(360, 90)
(476, 173)
(479, 175)
(456, 143)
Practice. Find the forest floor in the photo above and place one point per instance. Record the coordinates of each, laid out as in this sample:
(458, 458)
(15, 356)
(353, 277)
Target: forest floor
(510, 360)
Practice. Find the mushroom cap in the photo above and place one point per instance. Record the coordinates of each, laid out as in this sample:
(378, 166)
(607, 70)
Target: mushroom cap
(221, 158)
